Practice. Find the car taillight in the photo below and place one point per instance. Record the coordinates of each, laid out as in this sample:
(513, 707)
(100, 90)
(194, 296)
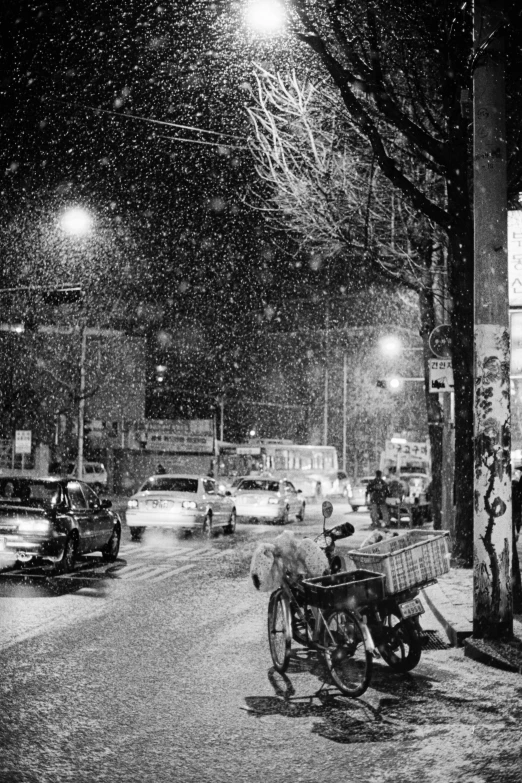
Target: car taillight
(41, 526)
(132, 504)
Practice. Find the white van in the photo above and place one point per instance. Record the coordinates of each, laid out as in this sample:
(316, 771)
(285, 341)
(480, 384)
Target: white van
(94, 473)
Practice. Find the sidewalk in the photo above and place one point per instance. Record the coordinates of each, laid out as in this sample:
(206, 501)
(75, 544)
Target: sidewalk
(451, 601)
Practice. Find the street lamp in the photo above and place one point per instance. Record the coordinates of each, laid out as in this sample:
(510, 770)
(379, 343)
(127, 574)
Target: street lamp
(265, 16)
(391, 345)
(77, 221)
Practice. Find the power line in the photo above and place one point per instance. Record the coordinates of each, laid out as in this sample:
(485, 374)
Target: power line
(149, 120)
(198, 141)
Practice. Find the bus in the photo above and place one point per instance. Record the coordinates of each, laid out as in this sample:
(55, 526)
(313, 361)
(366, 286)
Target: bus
(312, 469)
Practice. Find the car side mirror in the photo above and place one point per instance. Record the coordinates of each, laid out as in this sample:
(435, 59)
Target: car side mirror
(106, 503)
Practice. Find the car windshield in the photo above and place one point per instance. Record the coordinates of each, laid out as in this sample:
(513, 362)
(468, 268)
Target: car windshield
(258, 485)
(30, 492)
(170, 484)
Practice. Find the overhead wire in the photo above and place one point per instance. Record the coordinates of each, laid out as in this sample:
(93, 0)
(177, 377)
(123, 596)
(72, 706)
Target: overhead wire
(152, 121)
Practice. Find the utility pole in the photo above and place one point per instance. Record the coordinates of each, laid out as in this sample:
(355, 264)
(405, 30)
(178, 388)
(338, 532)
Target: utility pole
(81, 401)
(492, 593)
(345, 406)
(326, 374)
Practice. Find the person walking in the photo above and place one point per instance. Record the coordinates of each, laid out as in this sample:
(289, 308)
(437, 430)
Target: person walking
(377, 491)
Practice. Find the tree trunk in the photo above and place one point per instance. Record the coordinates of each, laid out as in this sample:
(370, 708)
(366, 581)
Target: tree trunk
(462, 330)
(428, 323)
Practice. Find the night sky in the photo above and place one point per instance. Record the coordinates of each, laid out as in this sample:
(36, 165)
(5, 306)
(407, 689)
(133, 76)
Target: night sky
(179, 253)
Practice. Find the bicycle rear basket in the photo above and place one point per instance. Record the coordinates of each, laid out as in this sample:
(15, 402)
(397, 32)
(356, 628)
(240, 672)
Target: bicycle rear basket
(345, 590)
(412, 559)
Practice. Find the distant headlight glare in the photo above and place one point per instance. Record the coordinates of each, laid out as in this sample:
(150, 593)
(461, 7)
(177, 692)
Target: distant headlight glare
(189, 504)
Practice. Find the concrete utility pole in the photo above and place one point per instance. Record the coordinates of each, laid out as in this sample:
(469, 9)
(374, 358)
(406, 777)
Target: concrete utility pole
(492, 588)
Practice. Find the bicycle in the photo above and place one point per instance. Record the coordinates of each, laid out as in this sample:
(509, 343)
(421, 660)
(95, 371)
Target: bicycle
(324, 614)
(353, 617)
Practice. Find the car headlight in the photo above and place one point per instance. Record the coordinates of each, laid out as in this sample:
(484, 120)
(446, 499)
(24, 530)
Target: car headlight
(273, 500)
(189, 504)
(132, 504)
(41, 526)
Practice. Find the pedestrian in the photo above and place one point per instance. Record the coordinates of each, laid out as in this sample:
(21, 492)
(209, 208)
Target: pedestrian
(377, 491)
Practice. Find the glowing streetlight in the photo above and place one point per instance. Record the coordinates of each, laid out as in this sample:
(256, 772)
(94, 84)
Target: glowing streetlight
(391, 345)
(76, 221)
(265, 16)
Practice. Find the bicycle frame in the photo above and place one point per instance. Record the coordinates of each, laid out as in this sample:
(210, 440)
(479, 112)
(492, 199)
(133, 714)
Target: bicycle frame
(313, 633)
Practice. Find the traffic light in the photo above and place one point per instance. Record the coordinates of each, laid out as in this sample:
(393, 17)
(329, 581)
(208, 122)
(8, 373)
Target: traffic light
(87, 429)
(63, 295)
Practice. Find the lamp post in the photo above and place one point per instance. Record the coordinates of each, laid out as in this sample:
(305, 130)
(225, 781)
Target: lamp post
(77, 221)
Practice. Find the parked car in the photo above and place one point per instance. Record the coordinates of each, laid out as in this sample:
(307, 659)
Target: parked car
(55, 519)
(358, 496)
(180, 502)
(268, 498)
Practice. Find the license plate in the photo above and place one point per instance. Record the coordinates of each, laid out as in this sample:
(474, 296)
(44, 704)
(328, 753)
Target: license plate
(411, 608)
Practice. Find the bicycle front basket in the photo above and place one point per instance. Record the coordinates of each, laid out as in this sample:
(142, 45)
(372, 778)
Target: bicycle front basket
(346, 590)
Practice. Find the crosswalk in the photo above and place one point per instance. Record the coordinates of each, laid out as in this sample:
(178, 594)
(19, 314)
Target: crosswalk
(149, 563)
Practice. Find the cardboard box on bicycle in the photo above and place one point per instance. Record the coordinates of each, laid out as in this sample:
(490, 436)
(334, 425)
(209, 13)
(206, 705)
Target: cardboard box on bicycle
(346, 590)
(412, 559)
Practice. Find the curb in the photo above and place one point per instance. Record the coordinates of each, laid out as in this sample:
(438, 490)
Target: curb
(456, 629)
(484, 651)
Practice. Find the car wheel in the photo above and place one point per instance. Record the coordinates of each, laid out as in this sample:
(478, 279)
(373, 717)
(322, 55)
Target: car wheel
(207, 526)
(110, 551)
(301, 514)
(284, 518)
(136, 533)
(231, 527)
(68, 560)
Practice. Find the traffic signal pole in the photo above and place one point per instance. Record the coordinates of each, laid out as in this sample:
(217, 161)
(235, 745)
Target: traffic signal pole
(492, 531)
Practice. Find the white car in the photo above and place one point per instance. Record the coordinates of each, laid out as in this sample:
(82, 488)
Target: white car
(268, 498)
(180, 502)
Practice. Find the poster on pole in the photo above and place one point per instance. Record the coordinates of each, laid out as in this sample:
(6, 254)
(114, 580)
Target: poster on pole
(514, 248)
(22, 441)
(441, 375)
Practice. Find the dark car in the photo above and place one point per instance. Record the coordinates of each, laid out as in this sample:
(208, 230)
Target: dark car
(55, 519)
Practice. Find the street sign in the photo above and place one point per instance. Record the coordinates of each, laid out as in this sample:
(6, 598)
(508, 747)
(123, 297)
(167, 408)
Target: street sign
(22, 441)
(440, 341)
(408, 449)
(441, 375)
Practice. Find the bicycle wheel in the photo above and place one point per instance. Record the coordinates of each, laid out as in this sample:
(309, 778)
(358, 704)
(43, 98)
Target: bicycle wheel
(279, 630)
(402, 647)
(347, 657)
